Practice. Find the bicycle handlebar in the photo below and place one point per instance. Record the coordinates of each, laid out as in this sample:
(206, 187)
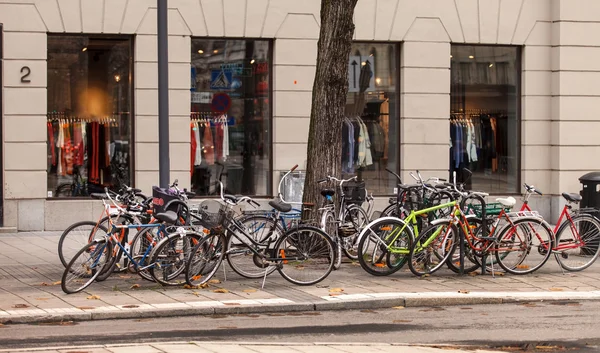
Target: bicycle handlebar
(531, 188)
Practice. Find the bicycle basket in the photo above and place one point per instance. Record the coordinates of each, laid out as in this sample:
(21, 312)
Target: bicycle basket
(214, 214)
(411, 199)
(160, 198)
(355, 192)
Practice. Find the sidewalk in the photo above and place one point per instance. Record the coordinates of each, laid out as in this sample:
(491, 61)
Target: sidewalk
(30, 291)
(218, 347)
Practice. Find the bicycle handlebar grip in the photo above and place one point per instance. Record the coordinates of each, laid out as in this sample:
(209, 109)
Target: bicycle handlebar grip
(442, 180)
(254, 202)
(539, 192)
(294, 168)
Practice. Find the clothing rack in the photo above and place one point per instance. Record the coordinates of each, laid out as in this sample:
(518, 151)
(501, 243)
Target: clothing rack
(479, 112)
(61, 117)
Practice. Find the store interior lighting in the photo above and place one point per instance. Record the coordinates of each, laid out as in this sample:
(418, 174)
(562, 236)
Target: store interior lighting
(84, 49)
(200, 51)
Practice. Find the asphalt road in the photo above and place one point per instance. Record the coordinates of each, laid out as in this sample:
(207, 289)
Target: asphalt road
(547, 326)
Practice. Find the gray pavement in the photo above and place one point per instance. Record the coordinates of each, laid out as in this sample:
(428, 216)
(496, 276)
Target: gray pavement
(30, 291)
(271, 347)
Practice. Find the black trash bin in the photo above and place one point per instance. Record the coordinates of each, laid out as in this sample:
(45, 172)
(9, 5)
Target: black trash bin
(590, 193)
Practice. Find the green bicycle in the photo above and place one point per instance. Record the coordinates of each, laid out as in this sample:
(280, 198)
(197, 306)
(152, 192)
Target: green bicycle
(384, 244)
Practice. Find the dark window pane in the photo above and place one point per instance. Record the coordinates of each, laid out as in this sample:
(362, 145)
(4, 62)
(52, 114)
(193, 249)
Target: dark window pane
(230, 116)
(370, 134)
(484, 124)
(89, 122)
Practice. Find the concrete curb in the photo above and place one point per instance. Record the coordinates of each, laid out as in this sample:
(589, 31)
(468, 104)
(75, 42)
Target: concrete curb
(379, 301)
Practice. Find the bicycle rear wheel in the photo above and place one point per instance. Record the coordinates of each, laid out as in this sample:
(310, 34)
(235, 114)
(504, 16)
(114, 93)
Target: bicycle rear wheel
(330, 227)
(85, 266)
(205, 259)
(263, 230)
(578, 243)
(524, 246)
(305, 255)
(355, 220)
(432, 248)
(374, 255)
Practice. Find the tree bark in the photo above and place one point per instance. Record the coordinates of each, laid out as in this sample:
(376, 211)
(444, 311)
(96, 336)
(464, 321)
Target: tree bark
(329, 95)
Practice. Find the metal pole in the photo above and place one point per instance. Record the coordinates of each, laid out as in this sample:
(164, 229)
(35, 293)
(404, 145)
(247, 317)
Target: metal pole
(163, 94)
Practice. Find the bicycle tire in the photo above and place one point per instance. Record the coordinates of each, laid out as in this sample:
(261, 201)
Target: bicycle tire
(471, 262)
(349, 243)
(205, 259)
(303, 239)
(591, 251)
(545, 249)
(140, 245)
(239, 256)
(89, 273)
(66, 252)
(375, 260)
(432, 243)
(330, 227)
(169, 257)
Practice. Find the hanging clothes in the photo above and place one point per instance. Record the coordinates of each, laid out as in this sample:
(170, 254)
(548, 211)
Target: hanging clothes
(198, 154)
(208, 148)
(226, 141)
(193, 146)
(219, 141)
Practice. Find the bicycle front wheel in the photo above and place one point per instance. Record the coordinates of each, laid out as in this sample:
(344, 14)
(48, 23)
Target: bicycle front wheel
(170, 256)
(205, 259)
(76, 237)
(578, 243)
(355, 220)
(305, 255)
(384, 246)
(433, 247)
(330, 227)
(85, 266)
(524, 246)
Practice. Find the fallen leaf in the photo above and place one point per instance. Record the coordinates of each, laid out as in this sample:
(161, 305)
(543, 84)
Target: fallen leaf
(135, 286)
(187, 286)
(204, 285)
(20, 306)
(231, 303)
(249, 290)
(221, 290)
(42, 298)
(214, 281)
(554, 289)
(93, 297)
(196, 277)
(401, 321)
(336, 290)
(522, 267)
(44, 284)
(473, 274)
(334, 294)
(398, 307)
(131, 306)
(125, 276)
(299, 267)
(463, 291)
(56, 283)
(425, 275)
(466, 308)
(86, 307)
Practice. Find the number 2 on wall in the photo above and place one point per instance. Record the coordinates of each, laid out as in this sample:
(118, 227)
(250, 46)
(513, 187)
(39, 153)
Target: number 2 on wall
(25, 71)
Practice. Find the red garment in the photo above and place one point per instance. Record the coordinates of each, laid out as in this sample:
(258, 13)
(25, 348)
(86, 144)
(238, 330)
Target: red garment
(93, 150)
(193, 145)
(107, 144)
(77, 145)
(219, 141)
(52, 145)
(207, 146)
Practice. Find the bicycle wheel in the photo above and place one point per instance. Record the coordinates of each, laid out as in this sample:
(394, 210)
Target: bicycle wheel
(471, 260)
(85, 266)
(384, 246)
(578, 243)
(355, 219)
(330, 227)
(262, 229)
(205, 259)
(169, 257)
(516, 242)
(76, 237)
(140, 250)
(306, 255)
(433, 248)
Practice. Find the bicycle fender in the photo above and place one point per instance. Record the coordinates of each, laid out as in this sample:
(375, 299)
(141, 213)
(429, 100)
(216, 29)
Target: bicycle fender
(368, 226)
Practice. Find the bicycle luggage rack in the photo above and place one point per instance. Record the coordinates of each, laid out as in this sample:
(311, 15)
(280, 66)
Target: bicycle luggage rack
(523, 214)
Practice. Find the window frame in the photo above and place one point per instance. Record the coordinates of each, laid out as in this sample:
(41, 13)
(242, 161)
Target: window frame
(398, 97)
(132, 114)
(270, 56)
(519, 112)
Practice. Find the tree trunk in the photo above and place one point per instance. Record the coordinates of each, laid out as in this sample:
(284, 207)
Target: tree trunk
(329, 95)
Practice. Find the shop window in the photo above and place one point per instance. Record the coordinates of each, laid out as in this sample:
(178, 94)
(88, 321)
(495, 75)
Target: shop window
(89, 119)
(370, 134)
(231, 116)
(484, 121)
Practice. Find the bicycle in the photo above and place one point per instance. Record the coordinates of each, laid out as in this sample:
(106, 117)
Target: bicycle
(98, 258)
(437, 243)
(293, 254)
(344, 222)
(577, 237)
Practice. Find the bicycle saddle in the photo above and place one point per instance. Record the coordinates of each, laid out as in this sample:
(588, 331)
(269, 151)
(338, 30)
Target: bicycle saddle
(571, 197)
(508, 202)
(327, 192)
(169, 217)
(280, 206)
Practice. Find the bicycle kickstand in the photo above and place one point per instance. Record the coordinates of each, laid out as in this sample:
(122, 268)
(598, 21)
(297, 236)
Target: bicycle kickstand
(265, 277)
(224, 273)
